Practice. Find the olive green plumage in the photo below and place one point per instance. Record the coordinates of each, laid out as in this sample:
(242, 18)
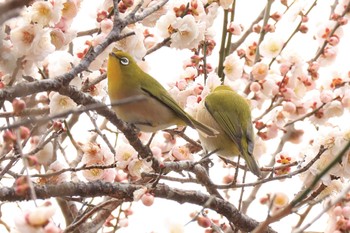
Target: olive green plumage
(229, 114)
(157, 111)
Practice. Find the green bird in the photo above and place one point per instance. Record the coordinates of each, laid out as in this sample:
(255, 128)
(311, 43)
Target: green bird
(157, 110)
(229, 113)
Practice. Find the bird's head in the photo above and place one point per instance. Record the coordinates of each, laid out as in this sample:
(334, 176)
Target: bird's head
(124, 60)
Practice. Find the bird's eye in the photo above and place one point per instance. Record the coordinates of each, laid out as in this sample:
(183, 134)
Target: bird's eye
(124, 61)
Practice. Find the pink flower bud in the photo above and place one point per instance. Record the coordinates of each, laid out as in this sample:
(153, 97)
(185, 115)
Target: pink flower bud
(121, 7)
(9, 137)
(234, 29)
(333, 40)
(343, 21)
(276, 16)
(303, 28)
(228, 179)
(289, 107)
(147, 199)
(101, 15)
(270, 28)
(255, 87)
(257, 28)
(57, 126)
(18, 106)
(203, 221)
(128, 3)
(24, 132)
(329, 52)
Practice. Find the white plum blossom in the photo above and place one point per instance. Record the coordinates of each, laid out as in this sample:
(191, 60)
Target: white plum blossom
(184, 32)
(45, 13)
(36, 220)
(181, 153)
(164, 23)
(187, 34)
(46, 154)
(260, 71)
(271, 46)
(61, 62)
(60, 103)
(233, 67)
(32, 41)
(212, 81)
(124, 154)
(134, 44)
(136, 167)
(212, 12)
(95, 154)
(138, 193)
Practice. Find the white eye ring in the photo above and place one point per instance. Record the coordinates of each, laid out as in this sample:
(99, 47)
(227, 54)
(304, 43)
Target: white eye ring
(124, 61)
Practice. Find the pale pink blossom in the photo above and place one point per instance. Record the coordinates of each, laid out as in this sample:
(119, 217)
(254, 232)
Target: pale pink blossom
(234, 28)
(186, 33)
(45, 13)
(60, 103)
(333, 109)
(35, 220)
(106, 26)
(255, 87)
(269, 86)
(189, 74)
(55, 167)
(58, 38)
(181, 153)
(137, 167)
(70, 9)
(124, 154)
(45, 155)
(326, 96)
(40, 215)
(164, 24)
(94, 154)
(260, 70)
(271, 46)
(133, 44)
(60, 62)
(233, 67)
(32, 41)
(212, 12)
(289, 107)
(138, 193)
(324, 31)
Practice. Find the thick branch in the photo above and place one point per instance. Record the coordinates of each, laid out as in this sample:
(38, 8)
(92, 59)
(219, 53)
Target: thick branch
(125, 192)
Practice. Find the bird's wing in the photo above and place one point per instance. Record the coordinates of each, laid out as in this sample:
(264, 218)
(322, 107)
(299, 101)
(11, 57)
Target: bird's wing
(157, 91)
(250, 138)
(227, 118)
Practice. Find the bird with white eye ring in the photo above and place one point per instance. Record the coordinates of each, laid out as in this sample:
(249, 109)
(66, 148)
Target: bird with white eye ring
(158, 110)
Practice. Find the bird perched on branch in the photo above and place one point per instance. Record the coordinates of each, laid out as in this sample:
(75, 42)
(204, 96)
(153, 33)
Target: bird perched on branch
(229, 114)
(157, 110)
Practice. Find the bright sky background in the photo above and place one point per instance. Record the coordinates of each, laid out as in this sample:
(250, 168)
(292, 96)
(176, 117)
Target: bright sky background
(161, 214)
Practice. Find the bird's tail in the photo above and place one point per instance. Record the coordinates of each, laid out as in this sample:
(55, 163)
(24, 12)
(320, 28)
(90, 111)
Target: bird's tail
(253, 165)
